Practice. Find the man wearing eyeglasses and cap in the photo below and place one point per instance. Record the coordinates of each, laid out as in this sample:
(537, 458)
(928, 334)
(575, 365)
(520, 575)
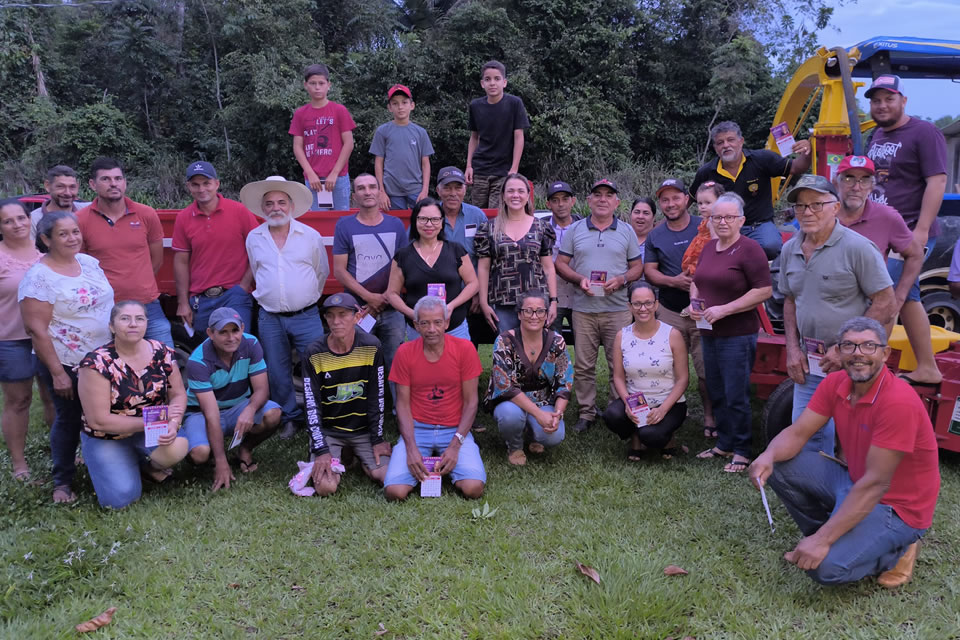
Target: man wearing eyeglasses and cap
(828, 274)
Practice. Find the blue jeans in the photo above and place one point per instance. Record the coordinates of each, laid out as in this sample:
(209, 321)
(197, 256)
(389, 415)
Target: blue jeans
(65, 432)
(895, 269)
(158, 327)
(506, 317)
(512, 423)
(194, 427)
(812, 489)
(114, 467)
(404, 202)
(767, 235)
(278, 335)
(390, 330)
(432, 440)
(235, 297)
(341, 194)
(728, 361)
(824, 439)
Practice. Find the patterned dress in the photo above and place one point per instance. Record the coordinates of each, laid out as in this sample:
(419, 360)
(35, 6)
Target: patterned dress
(545, 380)
(515, 266)
(648, 364)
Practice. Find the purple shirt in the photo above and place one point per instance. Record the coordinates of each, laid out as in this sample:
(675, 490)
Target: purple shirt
(905, 158)
(884, 227)
(724, 276)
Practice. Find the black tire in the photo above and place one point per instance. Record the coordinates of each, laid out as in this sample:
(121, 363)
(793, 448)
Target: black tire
(778, 411)
(942, 309)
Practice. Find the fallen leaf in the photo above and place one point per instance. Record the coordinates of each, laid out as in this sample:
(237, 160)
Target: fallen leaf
(297, 587)
(234, 585)
(674, 570)
(381, 630)
(93, 624)
(590, 572)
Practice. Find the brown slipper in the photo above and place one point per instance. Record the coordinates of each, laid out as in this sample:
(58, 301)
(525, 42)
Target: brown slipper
(713, 452)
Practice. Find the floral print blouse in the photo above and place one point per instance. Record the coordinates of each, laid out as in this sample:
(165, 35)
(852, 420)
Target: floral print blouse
(515, 266)
(81, 306)
(545, 380)
(131, 391)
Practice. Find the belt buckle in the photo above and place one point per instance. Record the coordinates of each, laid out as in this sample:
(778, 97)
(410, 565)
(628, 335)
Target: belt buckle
(214, 292)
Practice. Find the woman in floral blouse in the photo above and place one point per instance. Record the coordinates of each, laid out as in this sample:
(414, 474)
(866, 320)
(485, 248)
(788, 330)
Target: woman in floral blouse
(65, 302)
(117, 381)
(515, 254)
(530, 381)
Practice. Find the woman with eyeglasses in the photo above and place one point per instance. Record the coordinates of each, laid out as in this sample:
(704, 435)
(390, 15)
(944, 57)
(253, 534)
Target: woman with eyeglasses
(431, 266)
(515, 254)
(530, 381)
(732, 278)
(650, 373)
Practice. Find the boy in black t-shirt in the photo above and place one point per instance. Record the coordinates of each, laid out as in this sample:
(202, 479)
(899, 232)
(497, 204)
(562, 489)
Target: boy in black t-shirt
(497, 122)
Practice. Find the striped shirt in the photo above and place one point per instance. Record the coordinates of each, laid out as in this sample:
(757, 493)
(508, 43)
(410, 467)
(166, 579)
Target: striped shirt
(206, 372)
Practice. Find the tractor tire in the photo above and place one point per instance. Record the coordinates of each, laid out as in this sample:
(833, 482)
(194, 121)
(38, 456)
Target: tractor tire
(778, 411)
(942, 309)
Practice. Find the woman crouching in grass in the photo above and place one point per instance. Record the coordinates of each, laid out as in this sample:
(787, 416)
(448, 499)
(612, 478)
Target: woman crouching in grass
(116, 383)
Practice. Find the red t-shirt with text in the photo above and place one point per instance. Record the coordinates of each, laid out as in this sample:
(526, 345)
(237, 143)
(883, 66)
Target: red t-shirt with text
(321, 130)
(435, 387)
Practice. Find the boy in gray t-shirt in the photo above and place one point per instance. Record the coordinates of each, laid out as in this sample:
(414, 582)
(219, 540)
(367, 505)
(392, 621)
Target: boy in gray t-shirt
(403, 151)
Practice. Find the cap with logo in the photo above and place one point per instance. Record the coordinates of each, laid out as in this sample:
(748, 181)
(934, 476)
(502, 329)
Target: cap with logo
(561, 187)
(889, 82)
(856, 162)
(450, 174)
(222, 317)
(399, 88)
(605, 182)
(812, 182)
(341, 300)
(672, 183)
(201, 169)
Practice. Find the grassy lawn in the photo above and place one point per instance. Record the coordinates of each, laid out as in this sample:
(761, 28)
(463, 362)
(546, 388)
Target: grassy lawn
(257, 562)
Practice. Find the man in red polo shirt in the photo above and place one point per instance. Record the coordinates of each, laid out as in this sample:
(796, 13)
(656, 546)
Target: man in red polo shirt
(865, 519)
(127, 239)
(210, 261)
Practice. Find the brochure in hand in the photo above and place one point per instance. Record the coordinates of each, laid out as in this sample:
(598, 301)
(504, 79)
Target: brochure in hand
(155, 424)
(430, 487)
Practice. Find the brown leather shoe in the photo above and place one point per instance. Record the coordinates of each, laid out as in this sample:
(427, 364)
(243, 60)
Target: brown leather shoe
(902, 571)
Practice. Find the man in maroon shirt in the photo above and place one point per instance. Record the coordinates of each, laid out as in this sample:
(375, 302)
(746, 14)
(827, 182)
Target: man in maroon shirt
(863, 519)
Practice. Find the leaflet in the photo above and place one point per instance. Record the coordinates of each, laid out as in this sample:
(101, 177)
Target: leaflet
(430, 487)
(155, 424)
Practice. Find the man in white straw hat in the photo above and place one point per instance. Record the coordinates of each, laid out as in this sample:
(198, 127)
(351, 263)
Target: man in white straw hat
(289, 264)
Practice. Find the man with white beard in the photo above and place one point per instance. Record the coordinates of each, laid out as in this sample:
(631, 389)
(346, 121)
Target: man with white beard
(289, 265)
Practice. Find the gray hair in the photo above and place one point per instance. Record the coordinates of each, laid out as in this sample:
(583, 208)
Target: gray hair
(429, 302)
(731, 198)
(862, 323)
(725, 127)
(532, 293)
(50, 219)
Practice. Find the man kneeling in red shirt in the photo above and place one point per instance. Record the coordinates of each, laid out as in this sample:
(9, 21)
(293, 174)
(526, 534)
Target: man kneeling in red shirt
(865, 520)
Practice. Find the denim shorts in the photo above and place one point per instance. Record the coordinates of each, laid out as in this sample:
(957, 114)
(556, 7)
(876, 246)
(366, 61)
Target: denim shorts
(17, 361)
(431, 440)
(194, 427)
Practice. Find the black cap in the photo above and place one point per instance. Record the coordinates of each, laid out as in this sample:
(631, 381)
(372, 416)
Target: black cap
(605, 182)
(450, 174)
(672, 183)
(341, 300)
(889, 82)
(560, 187)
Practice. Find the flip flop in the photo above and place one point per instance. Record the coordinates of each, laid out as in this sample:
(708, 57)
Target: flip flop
(22, 476)
(738, 466)
(64, 489)
(634, 455)
(916, 383)
(245, 467)
(710, 432)
(713, 452)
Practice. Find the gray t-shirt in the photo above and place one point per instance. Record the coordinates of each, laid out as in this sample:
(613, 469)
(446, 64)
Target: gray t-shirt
(402, 149)
(835, 285)
(608, 250)
(37, 215)
(566, 291)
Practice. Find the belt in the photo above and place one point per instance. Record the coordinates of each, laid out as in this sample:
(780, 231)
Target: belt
(214, 292)
(290, 314)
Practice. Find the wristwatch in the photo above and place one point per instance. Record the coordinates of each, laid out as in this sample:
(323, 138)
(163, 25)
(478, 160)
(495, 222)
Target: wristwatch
(554, 299)
(459, 436)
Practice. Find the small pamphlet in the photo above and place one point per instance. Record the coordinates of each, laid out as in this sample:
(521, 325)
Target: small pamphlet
(597, 280)
(237, 439)
(189, 329)
(637, 405)
(155, 424)
(699, 305)
(766, 507)
(430, 487)
(325, 199)
(784, 139)
(366, 323)
(437, 289)
(816, 349)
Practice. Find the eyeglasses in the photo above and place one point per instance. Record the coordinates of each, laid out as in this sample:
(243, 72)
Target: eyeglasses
(530, 313)
(814, 207)
(866, 348)
(849, 181)
(646, 304)
(727, 219)
(431, 221)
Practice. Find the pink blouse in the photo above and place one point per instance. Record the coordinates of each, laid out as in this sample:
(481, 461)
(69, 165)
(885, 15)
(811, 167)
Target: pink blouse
(11, 273)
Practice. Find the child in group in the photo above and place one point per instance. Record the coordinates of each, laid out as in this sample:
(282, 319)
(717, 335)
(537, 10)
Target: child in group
(497, 122)
(707, 194)
(323, 140)
(402, 149)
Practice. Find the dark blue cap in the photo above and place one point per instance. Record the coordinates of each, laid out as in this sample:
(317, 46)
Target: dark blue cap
(201, 169)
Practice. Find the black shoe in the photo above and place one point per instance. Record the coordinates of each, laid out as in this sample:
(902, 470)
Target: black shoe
(582, 425)
(288, 430)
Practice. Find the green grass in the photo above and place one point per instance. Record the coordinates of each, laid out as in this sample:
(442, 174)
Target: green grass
(185, 563)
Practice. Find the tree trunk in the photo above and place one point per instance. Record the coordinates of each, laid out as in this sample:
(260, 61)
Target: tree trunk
(216, 72)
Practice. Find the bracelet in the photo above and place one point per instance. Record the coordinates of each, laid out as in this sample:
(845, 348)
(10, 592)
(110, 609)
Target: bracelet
(554, 299)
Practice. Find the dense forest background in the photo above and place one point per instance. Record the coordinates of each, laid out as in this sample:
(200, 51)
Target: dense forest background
(620, 87)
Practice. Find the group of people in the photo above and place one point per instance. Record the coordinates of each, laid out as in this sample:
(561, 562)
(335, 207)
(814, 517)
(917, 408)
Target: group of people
(652, 295)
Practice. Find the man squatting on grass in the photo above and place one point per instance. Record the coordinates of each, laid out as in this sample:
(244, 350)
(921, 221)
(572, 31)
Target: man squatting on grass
(865, 519)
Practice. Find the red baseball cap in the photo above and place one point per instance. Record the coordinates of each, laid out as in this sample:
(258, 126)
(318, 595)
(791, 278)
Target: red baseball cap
(856, 162)
(399, 88)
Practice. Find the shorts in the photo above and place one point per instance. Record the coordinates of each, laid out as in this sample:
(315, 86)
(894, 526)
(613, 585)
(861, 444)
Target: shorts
(895, 269)
(359, 443)
(194, 427)
(432, 439)
(17, 360)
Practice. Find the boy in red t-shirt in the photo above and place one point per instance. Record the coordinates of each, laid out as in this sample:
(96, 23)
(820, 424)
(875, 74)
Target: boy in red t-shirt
(865, 519)
(323, 140)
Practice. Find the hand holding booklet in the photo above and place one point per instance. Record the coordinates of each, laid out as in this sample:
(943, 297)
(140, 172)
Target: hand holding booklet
(597, 280)
(637, 405)
(430, 487)
(156, 423)
(699, 305)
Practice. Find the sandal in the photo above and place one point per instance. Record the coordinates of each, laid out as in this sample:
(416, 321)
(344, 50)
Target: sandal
(713, 452)
(737, 466)
(536, 448)
(635, 455)
(517, 458)
(243, 465)
(66, 494)
(22, 476)
(710, 432)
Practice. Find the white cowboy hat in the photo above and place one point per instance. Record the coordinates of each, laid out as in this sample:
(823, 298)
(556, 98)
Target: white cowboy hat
(252, 195)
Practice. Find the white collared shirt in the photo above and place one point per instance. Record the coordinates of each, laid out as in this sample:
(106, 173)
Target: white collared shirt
(291, 278)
